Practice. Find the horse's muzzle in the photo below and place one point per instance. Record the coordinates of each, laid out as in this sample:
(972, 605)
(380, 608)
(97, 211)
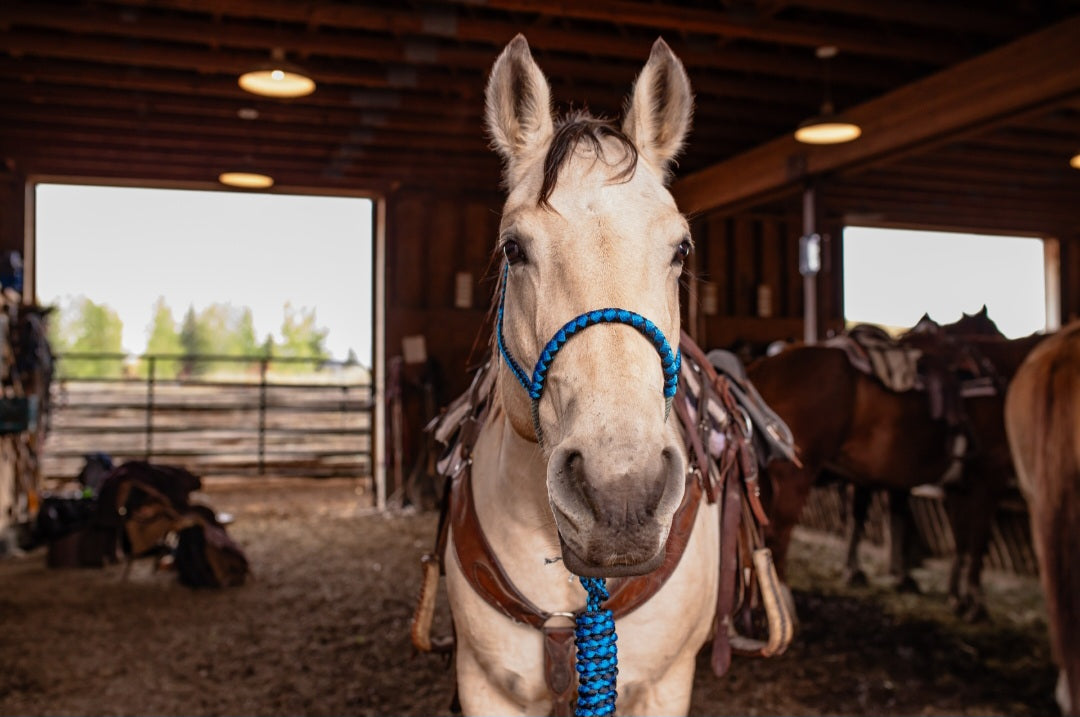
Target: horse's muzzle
(614, 521)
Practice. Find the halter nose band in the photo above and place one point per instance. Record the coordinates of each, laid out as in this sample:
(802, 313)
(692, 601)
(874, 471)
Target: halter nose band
(669, 360)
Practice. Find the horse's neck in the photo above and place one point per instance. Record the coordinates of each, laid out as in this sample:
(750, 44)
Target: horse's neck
(510, 492)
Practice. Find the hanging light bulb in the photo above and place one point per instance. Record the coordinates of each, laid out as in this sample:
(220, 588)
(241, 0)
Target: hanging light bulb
(827, 127)
(277, 78)
(1075, 161)
(246, 180)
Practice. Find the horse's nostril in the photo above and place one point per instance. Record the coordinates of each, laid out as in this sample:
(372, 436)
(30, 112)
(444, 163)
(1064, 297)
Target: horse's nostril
(573, 464)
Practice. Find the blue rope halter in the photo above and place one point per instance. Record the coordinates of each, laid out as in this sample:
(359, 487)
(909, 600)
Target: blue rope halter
(669, 360)
(597, 656)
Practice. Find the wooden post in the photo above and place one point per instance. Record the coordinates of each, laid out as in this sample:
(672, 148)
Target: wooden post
(809, 263)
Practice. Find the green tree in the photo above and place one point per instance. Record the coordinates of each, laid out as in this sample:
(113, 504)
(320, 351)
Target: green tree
(163, 338)
(301, 337)
(85, 327)
(193, 343)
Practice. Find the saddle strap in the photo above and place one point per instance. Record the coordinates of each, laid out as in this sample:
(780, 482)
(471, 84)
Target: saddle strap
(730, 515)
(559, 671)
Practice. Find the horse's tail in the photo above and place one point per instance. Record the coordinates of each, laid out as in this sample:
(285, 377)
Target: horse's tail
(1055, 492)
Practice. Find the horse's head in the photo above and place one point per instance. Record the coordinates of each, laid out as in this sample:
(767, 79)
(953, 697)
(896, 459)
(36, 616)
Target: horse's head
(588, 224)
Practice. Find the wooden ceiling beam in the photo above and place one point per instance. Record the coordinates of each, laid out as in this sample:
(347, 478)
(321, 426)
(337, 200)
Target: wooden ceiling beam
(151, 106)
(147, 104)
(40, 119)
(46, 71)
(918, 13)
(150, 173)
(54, 133)
(167, 160)
(952, 177)
(906, 203)
(99, 21)
(228, 62)
(714, 22)
(605, 83)
(944, 189)
(447, 22)
(1010, 80)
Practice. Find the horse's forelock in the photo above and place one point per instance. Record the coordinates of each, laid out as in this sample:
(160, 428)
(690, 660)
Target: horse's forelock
(572, 130)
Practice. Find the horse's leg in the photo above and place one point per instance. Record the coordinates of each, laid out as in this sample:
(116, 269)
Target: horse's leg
(790, 488)
(481, 695)
(971, 515)
(859, 500)
(902, 537)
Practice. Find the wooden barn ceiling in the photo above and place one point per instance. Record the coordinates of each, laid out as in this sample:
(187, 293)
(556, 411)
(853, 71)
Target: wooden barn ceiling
(146, 89)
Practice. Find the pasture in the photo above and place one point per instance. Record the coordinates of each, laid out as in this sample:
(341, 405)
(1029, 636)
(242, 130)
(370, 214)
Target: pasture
(323, 629)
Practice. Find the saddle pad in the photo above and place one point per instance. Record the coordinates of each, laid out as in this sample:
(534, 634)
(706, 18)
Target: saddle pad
(876, 354)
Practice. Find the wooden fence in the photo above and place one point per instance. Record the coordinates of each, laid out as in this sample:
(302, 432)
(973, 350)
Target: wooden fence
(246, 416)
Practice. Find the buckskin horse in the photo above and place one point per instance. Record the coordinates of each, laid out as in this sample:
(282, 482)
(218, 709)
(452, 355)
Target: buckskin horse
(1042, 415)
(577, 474)
(848, 424)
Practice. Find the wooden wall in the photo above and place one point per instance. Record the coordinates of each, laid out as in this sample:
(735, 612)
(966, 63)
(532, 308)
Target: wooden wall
(12, 213)
(430, 238)
(747, 255)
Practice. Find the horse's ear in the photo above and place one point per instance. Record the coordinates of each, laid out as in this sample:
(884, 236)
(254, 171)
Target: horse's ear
(518, 104)
(661, 105)
(982, 312)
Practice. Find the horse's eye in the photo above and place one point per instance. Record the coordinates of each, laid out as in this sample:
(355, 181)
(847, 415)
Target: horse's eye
(682, 251)
(513, 252)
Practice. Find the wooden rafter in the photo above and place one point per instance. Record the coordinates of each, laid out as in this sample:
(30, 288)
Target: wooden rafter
(1010, 80)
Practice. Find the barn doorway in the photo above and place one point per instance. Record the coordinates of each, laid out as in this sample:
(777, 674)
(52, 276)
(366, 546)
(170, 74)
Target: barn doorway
(234, 333)
(893, 276)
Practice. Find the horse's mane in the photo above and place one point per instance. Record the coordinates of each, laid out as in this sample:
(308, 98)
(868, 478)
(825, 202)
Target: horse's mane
(577, 127)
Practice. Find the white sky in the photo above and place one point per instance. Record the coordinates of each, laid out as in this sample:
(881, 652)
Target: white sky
(126, 247)
(892, 276)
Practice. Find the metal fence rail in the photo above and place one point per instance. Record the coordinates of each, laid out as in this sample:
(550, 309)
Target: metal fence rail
(215, 415)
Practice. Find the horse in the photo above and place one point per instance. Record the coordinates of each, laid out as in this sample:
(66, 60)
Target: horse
(583, 476)
(1042, 416)
(948, 341)
(849, 425)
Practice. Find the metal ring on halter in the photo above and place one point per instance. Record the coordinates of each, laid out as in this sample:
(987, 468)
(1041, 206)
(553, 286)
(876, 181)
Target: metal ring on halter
(670, 360)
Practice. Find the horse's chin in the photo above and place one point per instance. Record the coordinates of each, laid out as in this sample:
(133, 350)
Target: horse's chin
(588, 569)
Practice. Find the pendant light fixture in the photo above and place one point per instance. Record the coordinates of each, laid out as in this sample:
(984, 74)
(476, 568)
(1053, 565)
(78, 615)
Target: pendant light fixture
(245, 174)
(1075, 161)
(827, 127)
(277, 78)
(246, 180)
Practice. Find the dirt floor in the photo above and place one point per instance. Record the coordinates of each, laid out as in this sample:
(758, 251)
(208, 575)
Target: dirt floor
(323, 629)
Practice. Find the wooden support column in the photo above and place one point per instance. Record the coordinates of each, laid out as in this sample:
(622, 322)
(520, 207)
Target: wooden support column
(809, 264)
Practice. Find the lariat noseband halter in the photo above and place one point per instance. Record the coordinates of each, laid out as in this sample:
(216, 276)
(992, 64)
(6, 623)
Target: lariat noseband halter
(669, 360)
(597, 657)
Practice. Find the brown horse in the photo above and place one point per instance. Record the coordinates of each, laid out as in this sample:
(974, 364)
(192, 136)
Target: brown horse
(949, 343)
(848, 424)
(1042, 414)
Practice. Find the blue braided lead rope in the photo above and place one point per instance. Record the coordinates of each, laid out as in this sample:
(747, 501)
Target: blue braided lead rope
(597, 656)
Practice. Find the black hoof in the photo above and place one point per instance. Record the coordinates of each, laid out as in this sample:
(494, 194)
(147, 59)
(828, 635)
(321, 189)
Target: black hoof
(975, 613)
(855, 579)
